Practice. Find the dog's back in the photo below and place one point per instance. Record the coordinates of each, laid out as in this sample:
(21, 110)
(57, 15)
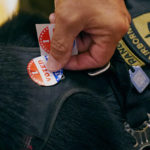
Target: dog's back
(84, 121)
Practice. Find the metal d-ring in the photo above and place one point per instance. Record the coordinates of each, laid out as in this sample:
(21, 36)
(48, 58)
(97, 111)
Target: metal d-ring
(141, 135)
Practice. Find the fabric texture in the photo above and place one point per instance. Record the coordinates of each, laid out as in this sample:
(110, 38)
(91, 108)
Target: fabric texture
(81, 112)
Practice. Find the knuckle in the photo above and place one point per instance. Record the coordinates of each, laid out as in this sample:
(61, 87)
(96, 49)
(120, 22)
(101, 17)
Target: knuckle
(124, 28)
(125, 25)
(60, 16)
(68, 18)
(121, 25)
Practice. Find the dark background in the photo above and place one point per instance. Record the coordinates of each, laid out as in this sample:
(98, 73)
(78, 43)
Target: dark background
(40, 7)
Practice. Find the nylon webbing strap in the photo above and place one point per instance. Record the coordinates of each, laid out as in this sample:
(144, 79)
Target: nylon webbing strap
(135, 51)
(130, 101)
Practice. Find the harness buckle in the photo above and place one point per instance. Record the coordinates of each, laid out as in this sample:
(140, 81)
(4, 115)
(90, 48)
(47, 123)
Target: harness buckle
(140, 134)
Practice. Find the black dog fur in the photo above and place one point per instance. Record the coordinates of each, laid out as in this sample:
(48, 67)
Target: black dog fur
(85, 122)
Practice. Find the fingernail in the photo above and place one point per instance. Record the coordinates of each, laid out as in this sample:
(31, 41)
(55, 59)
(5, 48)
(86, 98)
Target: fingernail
(52, 64)
(52, 18)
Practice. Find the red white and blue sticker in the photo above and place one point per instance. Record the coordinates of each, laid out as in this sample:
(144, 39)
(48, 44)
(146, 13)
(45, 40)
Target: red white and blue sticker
(36, 68)
(38, 72)
(45, 33)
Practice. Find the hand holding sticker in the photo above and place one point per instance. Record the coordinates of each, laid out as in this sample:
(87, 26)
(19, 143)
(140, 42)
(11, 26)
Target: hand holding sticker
(37, 68)
(98, 26)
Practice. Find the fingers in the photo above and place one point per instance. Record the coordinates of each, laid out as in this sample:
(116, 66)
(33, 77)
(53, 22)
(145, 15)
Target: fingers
(66, 30)
(61, 47)
(52, 18)
(56, 1)
(67, 27)
(94, 58)
(78, 62)
(97, 46)
(84, 41)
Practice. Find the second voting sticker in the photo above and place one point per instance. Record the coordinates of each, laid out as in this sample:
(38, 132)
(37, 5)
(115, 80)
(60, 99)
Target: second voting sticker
(51, 30)
(43, 38)
(38, 72)
(45, 34)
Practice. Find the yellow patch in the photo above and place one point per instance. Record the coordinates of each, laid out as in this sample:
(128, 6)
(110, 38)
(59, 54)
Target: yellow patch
(138, 43)
(128, 55)
(142, 24)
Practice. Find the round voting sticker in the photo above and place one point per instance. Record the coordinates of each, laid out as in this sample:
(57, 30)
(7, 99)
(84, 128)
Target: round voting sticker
(44, 40)
(38, 72)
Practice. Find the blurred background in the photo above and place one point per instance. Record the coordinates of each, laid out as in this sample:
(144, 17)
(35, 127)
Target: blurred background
(9, 8)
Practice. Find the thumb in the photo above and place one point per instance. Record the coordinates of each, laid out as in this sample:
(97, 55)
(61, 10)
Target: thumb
(61, 47)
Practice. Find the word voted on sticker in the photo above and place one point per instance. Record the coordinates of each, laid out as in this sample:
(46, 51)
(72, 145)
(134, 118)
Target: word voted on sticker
(38, 72)
(37, 68)
(45, 34)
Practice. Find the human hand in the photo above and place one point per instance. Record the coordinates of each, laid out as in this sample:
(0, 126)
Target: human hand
(98, 25)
